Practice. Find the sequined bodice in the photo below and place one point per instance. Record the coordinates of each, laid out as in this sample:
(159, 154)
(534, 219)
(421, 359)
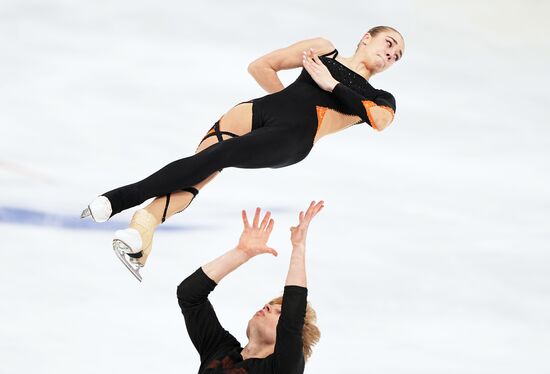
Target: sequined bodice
(305, 102)
(342, 74)
(348, 77)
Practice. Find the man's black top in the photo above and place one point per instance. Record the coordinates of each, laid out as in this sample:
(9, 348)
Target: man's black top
(220, 352)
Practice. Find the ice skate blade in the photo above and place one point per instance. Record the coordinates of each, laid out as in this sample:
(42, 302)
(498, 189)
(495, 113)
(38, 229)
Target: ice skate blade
(99, 209)
(121, 250)
(86, 213)
(131, 239)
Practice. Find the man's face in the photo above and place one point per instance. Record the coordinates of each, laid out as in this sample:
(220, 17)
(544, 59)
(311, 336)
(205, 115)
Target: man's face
(263, 324)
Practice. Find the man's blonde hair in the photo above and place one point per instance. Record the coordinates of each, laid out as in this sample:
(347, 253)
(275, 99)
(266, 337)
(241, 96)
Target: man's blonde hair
(310, 333)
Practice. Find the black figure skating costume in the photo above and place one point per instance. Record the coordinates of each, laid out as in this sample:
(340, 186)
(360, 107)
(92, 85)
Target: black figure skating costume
(284, 125)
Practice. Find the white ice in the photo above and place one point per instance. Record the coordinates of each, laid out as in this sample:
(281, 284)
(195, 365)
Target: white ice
(431, 256)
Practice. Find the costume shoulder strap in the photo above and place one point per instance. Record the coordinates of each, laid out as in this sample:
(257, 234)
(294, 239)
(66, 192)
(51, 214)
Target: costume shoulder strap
(331, 54)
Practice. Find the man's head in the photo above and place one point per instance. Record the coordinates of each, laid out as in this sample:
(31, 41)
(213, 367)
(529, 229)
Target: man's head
(262, 327)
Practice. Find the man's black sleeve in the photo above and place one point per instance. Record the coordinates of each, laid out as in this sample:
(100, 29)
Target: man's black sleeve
(205, 331)
(289, 356)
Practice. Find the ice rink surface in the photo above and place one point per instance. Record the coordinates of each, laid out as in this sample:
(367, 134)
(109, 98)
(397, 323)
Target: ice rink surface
(431, 256)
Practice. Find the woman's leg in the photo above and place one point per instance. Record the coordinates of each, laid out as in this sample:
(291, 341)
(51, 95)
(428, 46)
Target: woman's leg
(238, 121)
(275, 146)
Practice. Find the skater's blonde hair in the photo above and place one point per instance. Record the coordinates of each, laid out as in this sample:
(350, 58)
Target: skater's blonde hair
(310, 333)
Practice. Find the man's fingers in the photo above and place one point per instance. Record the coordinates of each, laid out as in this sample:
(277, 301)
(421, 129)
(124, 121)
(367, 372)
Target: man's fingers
(245, 219)
(309, 210)
(270, 226)
(319, 209)
(256, 218)
(320, 205)
(313, 209)
(265, 220)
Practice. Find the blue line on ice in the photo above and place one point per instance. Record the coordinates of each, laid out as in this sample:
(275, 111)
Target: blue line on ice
(23, 216)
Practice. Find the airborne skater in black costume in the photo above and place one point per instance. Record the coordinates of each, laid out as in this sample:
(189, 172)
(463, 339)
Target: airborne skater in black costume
(277, 130)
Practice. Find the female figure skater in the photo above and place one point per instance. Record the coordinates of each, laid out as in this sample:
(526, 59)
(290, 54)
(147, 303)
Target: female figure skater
(277, 130)
(280, 335)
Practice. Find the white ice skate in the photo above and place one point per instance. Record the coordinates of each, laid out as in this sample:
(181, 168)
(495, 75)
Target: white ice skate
(99, 209)
(124, 243)
(133, 245)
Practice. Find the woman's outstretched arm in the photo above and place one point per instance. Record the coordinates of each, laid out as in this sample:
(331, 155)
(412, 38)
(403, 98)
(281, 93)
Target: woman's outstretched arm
(264, 69)
(253, 242)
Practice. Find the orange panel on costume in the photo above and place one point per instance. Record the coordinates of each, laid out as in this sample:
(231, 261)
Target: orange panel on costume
(369, 104)
(321, 110)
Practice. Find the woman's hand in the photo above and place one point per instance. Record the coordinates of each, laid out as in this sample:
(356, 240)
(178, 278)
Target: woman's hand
(299, 233)
(253, 240)
(318, 71)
